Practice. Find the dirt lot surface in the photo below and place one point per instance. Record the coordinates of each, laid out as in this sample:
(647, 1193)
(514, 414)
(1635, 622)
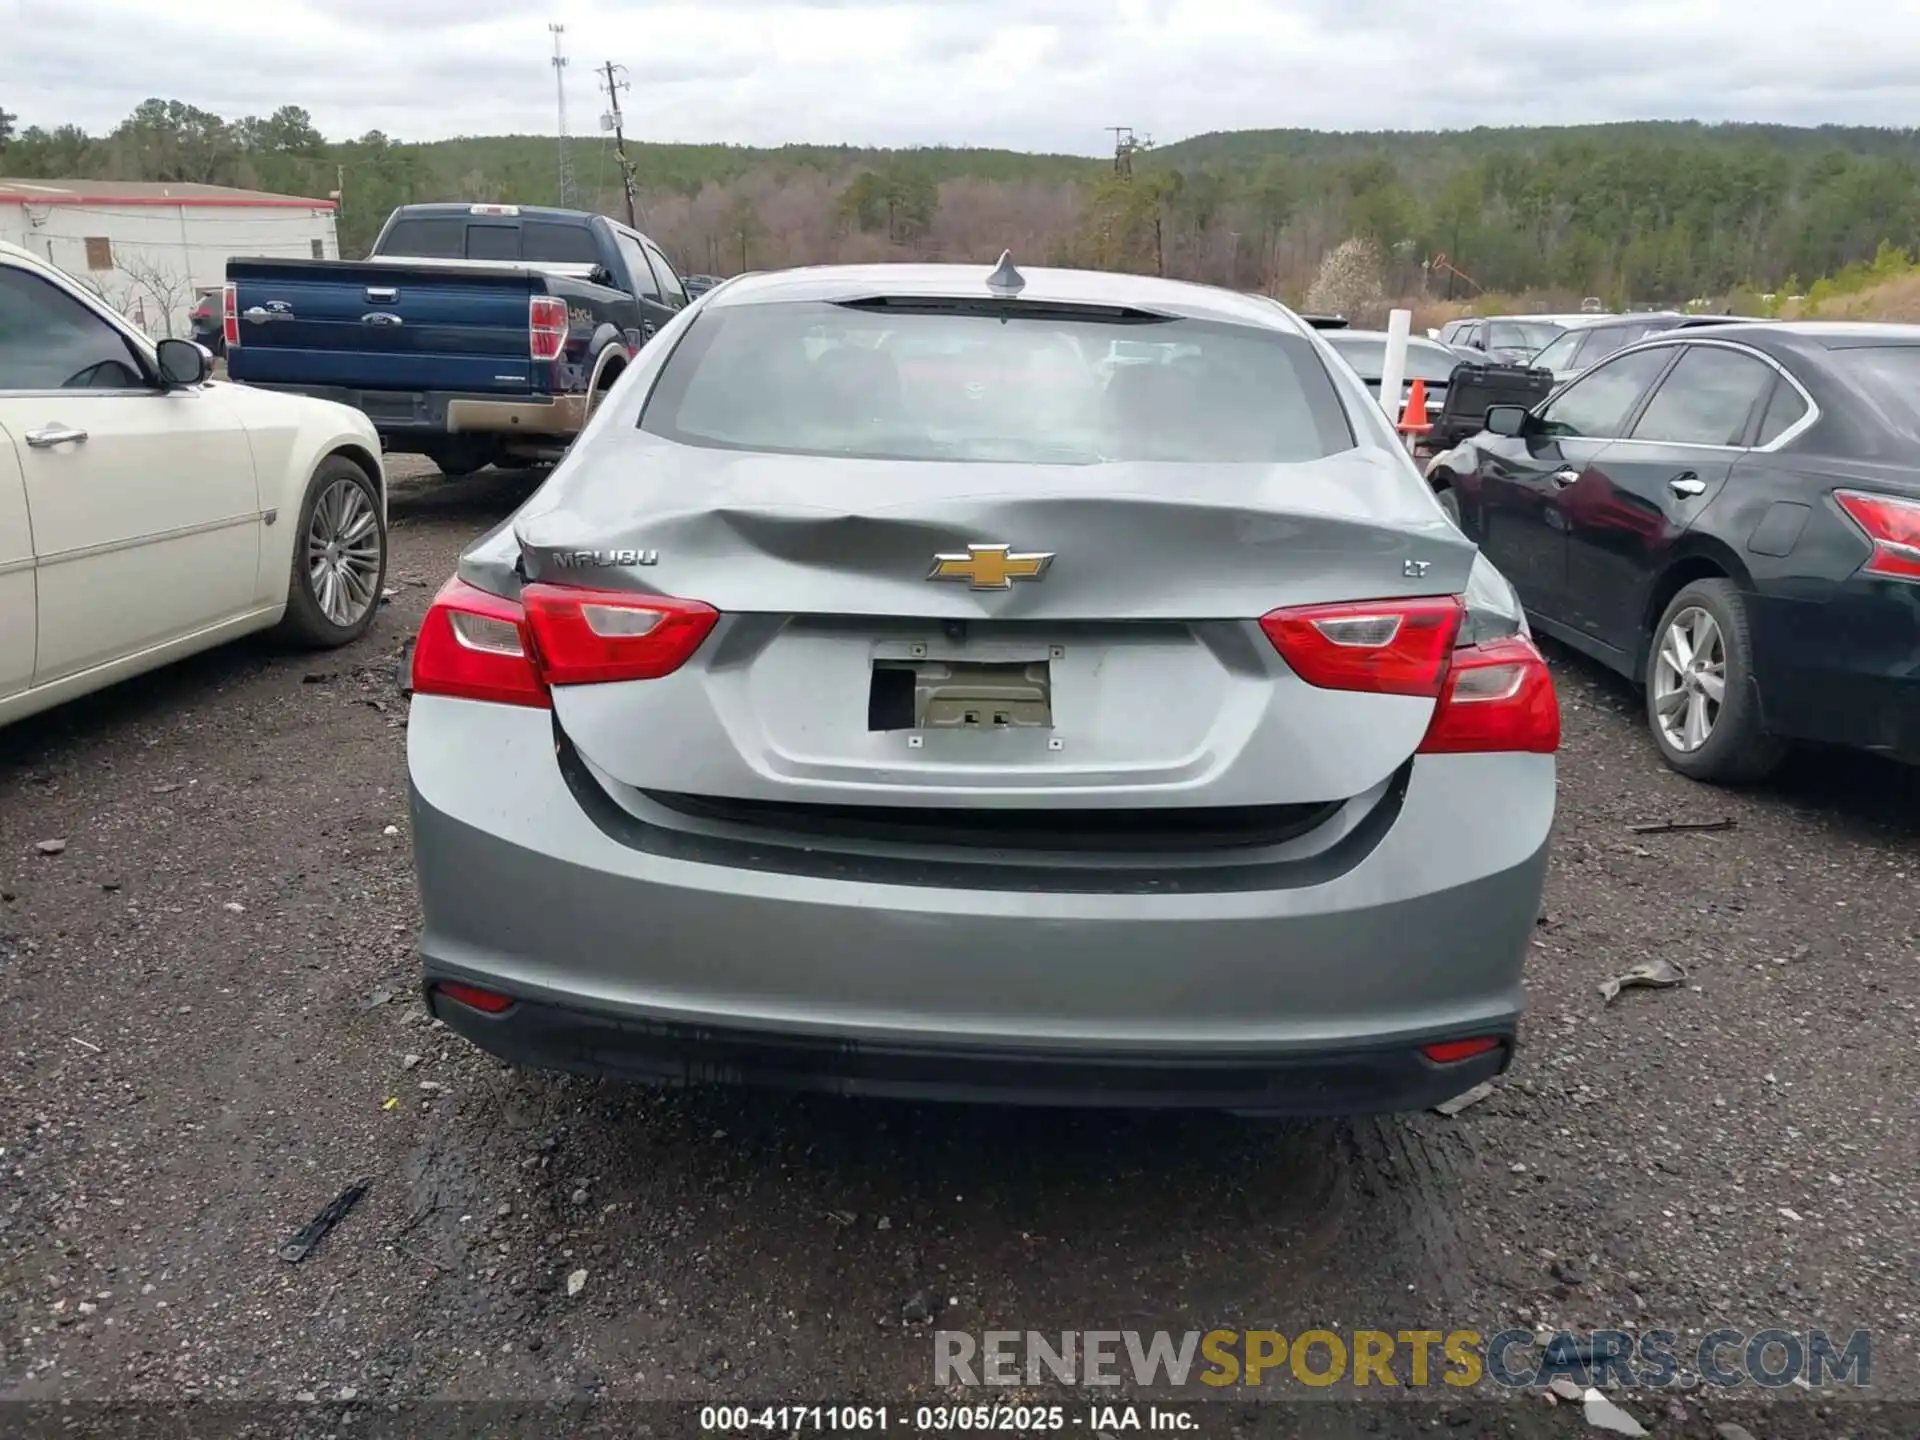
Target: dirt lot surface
(211, 1029)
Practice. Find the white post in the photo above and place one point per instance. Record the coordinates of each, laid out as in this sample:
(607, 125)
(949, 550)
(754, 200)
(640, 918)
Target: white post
(1393, 370)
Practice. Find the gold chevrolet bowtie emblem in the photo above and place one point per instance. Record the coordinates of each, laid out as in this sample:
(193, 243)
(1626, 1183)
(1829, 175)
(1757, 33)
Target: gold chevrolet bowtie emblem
(990, 567)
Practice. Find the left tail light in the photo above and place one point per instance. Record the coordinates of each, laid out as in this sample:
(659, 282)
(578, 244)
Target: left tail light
(1496, 696)
(475, 646)
(478, 646)
(229, 316)
(546, 327)
(1893, 526)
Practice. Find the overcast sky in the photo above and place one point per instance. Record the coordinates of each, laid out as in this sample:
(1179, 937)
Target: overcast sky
(1029, 74)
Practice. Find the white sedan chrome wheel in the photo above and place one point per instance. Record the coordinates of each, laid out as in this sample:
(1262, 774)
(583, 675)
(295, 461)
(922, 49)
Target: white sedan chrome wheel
(343, 553)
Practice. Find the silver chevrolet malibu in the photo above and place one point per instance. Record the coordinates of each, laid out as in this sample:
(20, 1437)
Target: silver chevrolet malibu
(889, 695)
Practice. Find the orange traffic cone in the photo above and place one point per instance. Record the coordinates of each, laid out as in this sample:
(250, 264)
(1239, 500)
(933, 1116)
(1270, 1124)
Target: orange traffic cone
(1413, 420)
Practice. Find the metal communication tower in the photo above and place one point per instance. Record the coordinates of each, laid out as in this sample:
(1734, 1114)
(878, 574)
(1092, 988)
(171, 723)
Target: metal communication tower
(560, 93)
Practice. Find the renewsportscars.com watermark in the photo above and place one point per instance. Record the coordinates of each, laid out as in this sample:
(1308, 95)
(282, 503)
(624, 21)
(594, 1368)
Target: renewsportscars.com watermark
(1459, 1359)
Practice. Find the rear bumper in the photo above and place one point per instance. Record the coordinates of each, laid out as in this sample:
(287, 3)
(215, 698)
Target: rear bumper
(1843, 670)
(1341, 1081)
(1306, 993)
(410, 419)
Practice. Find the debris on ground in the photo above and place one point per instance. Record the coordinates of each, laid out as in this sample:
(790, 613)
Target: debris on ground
(302, 1242)
(842, 1217)
(1566, 1389)
(1649, 975)
(51, 847)
(576, 1282)
(1672, 827)
(234, 907)
(1727, 1430)
(407, 1062)
(1605, 1415)
(1453, 1107)
(86, 1044)
(377, 999)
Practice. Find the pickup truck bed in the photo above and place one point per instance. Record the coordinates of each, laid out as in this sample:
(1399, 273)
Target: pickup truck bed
(448, 358)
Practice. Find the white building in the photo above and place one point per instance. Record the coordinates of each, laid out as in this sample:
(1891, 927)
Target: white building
(153, 249)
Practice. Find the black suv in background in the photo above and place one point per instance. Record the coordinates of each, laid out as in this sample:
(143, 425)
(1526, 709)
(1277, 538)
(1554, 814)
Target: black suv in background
(1503, 339)
(1585, 346)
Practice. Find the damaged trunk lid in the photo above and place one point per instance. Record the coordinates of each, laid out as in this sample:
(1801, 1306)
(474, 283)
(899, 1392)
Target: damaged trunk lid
(929, 633)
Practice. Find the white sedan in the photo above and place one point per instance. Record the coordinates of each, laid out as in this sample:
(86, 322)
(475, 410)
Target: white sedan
(148, 512)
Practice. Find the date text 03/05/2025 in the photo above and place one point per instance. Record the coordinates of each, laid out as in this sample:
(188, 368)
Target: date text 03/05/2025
(991, 1419)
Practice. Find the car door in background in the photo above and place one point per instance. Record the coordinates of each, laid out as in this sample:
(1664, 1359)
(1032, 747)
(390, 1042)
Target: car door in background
(1641, 494)
(143, 504)
(1597, 344)
(1516, 511)
(672, 292)
(655, 308)
(16, 575)
(1558, 357)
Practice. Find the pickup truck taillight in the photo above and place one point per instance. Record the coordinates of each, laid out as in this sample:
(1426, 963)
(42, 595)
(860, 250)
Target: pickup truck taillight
(547, 326)
(229, 316)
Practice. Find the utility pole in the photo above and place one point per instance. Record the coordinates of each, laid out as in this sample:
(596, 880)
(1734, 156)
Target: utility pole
(614, 87)
(560, 91)
(1122, 150)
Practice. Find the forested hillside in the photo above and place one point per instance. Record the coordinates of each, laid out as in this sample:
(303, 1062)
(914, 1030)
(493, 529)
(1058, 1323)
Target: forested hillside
(1636, 213)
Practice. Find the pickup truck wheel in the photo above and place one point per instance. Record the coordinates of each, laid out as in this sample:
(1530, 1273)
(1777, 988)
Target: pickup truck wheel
(339, 558)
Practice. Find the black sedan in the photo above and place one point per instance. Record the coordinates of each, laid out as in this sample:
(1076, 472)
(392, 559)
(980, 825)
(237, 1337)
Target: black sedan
(1730, 517)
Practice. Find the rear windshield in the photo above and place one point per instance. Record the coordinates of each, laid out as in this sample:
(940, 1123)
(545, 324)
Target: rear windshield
(1522, 334)
(824, 379)
(455, 237)
(436, 239)
(1425, 360)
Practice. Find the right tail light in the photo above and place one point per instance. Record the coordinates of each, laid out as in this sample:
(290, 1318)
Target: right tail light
(229, 316)
(1496, 696)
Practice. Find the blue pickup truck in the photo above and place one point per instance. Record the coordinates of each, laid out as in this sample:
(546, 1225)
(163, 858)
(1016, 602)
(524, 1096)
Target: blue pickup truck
(473, 334)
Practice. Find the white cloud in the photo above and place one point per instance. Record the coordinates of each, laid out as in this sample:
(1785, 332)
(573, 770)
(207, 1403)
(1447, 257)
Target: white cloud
(1031, 74)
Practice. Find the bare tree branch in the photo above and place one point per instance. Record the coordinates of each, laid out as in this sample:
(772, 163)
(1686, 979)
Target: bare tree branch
(165, 287)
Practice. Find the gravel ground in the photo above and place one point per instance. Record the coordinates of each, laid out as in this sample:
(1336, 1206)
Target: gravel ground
(210, 1029)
